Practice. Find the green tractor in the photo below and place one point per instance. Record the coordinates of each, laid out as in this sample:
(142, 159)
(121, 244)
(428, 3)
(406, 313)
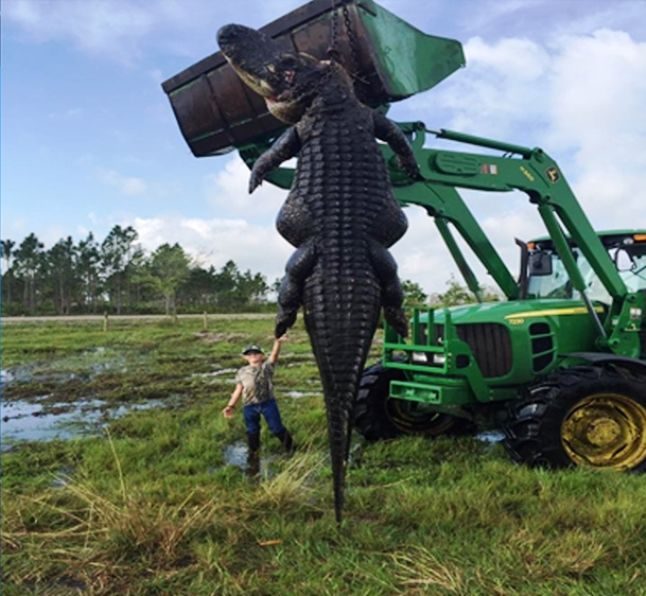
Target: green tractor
(561, 362)
(565, 391)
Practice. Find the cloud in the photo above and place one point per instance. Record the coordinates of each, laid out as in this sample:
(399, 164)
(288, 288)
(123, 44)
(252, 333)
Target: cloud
(227, 192)
(580, 97)
(596, 108)
(92, 25)
(500, 92)
(216, 241)
(123, 29)
(127, 185)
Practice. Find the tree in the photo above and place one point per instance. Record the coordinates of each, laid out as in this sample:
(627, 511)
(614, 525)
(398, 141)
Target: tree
(88, 262)
(225, 284)
(199, 288)
(29, 262)
(169, 267)
(61, 266)
(458, 294)
(6, 246)
(251, 288)
(117, 250)
(413, 293)
(235, 289)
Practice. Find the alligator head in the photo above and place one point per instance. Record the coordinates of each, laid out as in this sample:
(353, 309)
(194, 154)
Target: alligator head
(288, 80)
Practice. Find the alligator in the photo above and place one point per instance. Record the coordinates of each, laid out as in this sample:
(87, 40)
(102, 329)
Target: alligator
(340, 215)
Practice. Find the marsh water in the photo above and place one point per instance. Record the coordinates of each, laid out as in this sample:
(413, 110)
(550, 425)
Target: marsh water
(45, 418)
(38, 420)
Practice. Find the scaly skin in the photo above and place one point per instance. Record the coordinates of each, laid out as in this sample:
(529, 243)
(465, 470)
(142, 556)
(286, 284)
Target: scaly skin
(340, 214)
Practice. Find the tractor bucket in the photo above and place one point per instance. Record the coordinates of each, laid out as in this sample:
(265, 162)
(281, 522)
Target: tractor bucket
(217, 112)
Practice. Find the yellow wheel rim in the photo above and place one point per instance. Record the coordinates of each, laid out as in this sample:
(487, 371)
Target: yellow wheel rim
(605, 430)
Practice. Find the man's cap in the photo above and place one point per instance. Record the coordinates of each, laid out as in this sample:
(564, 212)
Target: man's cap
(252, 348)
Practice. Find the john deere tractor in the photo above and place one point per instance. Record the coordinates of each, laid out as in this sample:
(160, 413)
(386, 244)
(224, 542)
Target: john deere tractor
(561, 362)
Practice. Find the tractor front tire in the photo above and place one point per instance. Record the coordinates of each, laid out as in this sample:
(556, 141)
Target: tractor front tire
(591, 416)
(376, 417)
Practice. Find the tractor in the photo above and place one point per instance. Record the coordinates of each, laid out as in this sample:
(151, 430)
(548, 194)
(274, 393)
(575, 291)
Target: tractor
(560, 363)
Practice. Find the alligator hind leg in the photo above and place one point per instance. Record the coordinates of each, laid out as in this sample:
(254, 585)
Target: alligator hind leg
(392, 294)
(298, 267)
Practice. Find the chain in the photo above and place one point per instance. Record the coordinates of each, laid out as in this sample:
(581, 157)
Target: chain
(354, 53)
(332, 51)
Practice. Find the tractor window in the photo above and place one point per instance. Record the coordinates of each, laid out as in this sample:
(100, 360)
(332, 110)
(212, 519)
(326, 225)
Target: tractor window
(629, 260)
(631, 264)
(547, 276)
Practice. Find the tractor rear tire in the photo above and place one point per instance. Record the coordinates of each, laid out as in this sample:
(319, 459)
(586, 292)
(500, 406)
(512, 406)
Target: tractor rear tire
(591, 416)
(376, 417)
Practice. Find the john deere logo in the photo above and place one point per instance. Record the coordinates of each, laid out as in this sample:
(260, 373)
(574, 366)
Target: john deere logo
(552, 174)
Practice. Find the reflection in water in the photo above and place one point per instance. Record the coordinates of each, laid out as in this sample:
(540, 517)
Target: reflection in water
(491, 436)
(253, 465)
(34, 421)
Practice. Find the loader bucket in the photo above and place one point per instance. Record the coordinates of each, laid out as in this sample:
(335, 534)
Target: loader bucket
(217, 112)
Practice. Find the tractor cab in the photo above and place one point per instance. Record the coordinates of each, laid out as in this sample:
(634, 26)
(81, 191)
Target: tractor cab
(548, 278)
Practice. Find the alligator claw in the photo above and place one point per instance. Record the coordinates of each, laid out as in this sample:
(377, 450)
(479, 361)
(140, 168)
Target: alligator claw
(254, 181)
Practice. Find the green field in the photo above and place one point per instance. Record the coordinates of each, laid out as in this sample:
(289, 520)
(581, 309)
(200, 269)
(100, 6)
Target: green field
(153, 502)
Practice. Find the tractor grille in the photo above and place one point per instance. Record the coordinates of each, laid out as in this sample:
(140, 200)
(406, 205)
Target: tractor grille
(490, 344)
(543, 350)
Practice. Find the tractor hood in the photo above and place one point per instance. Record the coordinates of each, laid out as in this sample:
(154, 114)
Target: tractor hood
(513, 312)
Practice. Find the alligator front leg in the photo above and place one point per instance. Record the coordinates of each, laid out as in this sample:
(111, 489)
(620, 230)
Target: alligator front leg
(290, 294)
(284, 148)
(388, 131)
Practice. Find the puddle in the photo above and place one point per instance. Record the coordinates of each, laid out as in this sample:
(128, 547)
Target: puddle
(84, 365)
(299, 394)
(237, 454)
(33, 421)
(215, 373)
(491, 436)
(63, 477)
(19, 374)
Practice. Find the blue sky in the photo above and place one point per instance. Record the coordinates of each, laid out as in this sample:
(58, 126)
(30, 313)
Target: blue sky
(89, 139)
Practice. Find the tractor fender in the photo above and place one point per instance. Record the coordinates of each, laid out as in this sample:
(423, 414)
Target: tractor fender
(632, 364)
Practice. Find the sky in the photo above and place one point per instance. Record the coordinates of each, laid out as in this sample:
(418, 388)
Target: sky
(89, 140)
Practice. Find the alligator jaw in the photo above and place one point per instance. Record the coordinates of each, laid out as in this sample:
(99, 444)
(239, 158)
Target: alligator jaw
(252, 54)
(286, 79)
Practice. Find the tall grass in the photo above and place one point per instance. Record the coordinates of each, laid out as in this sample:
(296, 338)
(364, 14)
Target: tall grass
(152, 506)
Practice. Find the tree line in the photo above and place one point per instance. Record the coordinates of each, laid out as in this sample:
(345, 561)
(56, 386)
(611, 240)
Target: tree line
(118, 276)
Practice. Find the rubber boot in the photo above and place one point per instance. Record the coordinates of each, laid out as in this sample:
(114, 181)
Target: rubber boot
(253, 455)
(286, 439)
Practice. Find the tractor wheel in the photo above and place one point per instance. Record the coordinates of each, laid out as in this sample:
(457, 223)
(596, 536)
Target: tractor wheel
(582, 416)
(377, 417)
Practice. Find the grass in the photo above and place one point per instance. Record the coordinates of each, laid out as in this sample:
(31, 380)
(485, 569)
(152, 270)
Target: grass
(152, 507)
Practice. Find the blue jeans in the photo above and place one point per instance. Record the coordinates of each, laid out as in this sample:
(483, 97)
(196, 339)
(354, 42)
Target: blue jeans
(269, 409)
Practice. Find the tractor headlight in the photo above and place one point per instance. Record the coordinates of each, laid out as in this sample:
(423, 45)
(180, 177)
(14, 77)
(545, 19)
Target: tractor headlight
(419, 357)
(439, 359)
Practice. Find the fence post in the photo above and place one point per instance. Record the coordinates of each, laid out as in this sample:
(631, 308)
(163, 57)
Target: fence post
(205, 322)
(106, 322)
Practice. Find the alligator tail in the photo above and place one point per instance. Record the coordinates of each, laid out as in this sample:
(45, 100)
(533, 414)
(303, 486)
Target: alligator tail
(341, 322)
